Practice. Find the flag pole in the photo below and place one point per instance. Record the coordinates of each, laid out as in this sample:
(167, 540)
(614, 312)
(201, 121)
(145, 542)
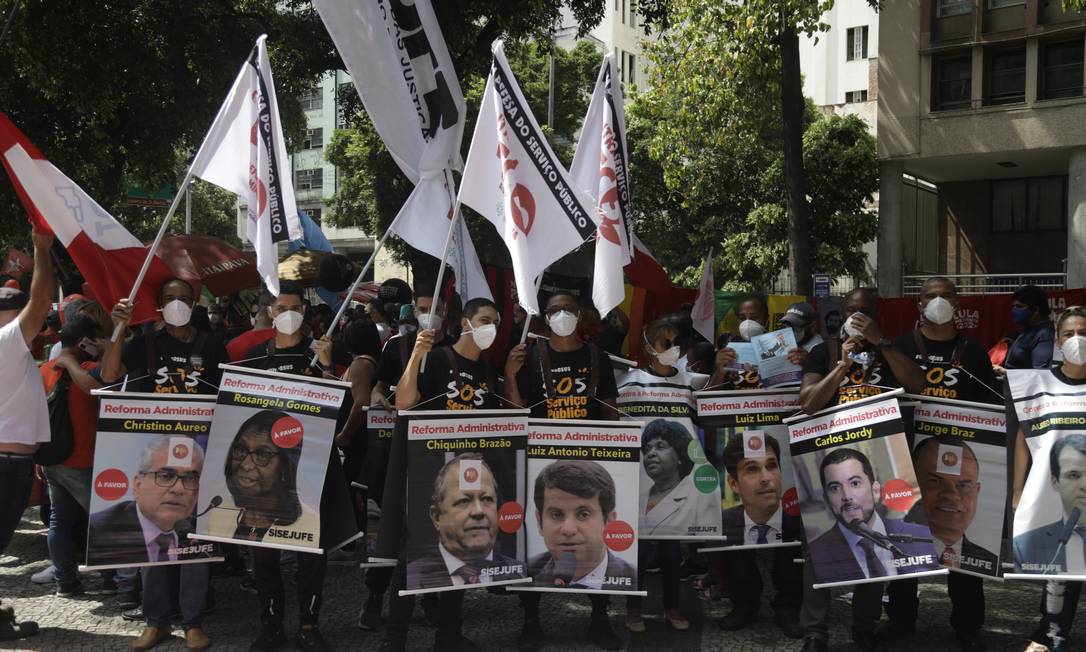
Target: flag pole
(154, 247)
(528, 319)
(358, 281)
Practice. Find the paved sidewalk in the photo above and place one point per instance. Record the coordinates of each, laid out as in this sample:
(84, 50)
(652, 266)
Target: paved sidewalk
(91, 623)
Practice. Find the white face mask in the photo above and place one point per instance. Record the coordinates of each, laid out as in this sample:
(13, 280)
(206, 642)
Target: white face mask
(405, 329)
(428, 320)
(669, 357)
(176, 313)
(1074, 350)
(939, 311)
(850, 330)
(749, 328)
(483, 335)
(562, 323)
(288, 322)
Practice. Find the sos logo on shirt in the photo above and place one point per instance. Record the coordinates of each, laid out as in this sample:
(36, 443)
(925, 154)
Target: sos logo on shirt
(860, 383)
(468, 394)
(570, 400)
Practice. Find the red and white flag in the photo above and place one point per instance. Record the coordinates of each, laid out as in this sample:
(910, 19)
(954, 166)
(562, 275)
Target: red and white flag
(600, 169)
(645, 271)
(513, 178)
(107, 255)
(17, 263)
(244, 153)
(704, 311)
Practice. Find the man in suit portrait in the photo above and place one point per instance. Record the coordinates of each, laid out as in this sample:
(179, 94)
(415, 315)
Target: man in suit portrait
(574, 501)
(154, 526)
(843, 553)
(759, 520)
(1037, 550)
(464, 513)
(949, 502)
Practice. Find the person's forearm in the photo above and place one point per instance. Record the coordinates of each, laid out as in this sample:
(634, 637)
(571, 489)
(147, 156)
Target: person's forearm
(905, 369)
(512, 392)
(41, 295)
(407, 389)
(112, 369)
(815, 394)
(1022, 459)
(82, 379)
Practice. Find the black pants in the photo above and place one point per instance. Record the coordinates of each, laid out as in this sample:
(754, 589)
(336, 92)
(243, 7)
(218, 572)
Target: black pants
(745, 581)
(269, 585)
(1059, 600)
(400, 608)
(966, 599)
(670, 558)
(814, 615)
(530, 600)
(377, 580)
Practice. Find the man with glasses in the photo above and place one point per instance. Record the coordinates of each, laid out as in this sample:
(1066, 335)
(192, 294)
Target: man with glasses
(153, 529)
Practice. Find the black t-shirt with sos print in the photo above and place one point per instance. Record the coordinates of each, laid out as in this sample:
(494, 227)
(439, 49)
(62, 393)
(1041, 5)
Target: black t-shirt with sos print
(162, 364)
(452, 382)
(957, 369)
(861, 381)
(575, 382)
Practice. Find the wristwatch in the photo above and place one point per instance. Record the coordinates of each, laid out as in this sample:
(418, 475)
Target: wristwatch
(885, 343)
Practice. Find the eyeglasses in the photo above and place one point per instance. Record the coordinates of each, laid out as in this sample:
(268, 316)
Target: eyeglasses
(261, 456)
(168, 478)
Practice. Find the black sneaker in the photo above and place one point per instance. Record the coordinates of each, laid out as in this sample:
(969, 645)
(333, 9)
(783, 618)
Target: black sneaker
(69, 589)
(369, 619)
(311, 639)
(531, 637)
(603, 635)
(272, 637)
(128, 599)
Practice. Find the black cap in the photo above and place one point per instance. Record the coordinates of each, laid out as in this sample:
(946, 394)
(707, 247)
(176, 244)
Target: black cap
(799, 315)
(12, 299)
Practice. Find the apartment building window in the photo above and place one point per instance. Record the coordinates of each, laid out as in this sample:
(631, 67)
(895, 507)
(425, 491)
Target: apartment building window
(953, 82)
(947, 8)
(856, 46)
(314, 139)
(1036, 204)
(1006, 76)
(1000, 4)
(631, 68)
(852, 97)
(314, 214)
(1061, 70)
(312, 101)
(309, 179)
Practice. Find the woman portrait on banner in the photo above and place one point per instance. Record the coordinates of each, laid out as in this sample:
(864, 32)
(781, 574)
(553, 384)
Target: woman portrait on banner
(262, 480)
(1049, 504)
(671, 502)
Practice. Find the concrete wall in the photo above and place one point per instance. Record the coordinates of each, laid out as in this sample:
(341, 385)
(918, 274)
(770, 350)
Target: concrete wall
(899, 79)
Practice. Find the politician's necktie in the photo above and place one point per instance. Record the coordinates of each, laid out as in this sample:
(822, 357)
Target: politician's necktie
(874, 566)
(763, 530)
(1081, 530)
(949, 558)
(163, 541)
(469, 573)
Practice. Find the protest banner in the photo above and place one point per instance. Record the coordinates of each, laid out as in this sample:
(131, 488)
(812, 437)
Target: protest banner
(582, 506)
(148, 460)
(855, 482)
(270, 463)
(465, 499)
(759, 490)
(671, 456)
(1051, 414)
(771, 351)
(960, 457)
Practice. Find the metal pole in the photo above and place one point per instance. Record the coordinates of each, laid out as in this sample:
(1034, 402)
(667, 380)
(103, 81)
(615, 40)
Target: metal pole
(550, 90)
(9, 21)
(188, 209)
(358, 281)
(528, 319)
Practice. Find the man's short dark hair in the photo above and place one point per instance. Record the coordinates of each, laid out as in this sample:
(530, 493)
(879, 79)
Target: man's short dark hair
(441, 484)
(1076, 441)
(77, 328)
(182, 281)
(676, 436)
(545, 299)
(868, 292)
(292, 288)
(1034, 297)
(839, 455)
(942, 439)
(471, 308)
(733, 452)
(939, 279)
(582, 478)
(756, 298)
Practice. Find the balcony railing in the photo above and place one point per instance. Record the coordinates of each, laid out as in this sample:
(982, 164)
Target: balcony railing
(989, 283)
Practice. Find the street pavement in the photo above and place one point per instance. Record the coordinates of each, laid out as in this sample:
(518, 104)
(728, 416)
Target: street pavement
(93, 622)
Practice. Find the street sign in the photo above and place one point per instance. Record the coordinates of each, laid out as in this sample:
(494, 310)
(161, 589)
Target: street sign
(139, 196)
(821, 286)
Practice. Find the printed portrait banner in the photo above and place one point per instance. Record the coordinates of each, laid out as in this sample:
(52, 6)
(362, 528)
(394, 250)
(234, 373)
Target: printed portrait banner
(148, 460)
(1052, 415)
(270, 461)
(772, 349)
(582, 511)
(856, 485)
(465, 499)
(760, 507)
(960, 457)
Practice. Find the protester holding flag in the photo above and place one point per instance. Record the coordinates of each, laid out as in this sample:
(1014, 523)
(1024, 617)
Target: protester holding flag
(562, 378)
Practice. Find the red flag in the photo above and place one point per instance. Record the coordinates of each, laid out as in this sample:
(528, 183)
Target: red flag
(107, 255)
(17, 263)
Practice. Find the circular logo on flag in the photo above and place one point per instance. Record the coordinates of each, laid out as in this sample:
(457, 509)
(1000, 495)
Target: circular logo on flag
(180, 451)
(790, 502)
(705, 479)
(618, 535)
(287, 432)
(111, 484)
(897, 495)
(510, 517)
(695, 453)
(471, 475)
(950, 458)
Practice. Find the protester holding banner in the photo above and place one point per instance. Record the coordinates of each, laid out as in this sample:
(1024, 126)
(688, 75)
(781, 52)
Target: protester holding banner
(1033, 348)
(955, 367)
(1048, 502)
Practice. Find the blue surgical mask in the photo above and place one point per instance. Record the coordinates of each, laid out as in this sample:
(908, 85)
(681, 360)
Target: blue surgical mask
(1021, 315)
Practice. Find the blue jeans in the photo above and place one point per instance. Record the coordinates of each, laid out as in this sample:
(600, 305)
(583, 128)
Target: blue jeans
(191, 593)
(69, 493)
(16, 481)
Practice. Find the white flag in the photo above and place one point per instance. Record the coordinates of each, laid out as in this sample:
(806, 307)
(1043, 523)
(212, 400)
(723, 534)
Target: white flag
(244, 152)
(404, 75)
(600, 169)
(513, 178)
(704, 311)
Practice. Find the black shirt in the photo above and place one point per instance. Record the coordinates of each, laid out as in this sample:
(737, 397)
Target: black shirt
(571, 373)
(295, 359)
(1033, 348)
(178, 368)
(860, 382)
(963, 381)
(395, 355)
(463, 384)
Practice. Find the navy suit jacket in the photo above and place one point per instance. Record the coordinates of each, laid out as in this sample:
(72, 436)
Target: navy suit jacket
(835, 562)
(541, 570)
(1038, 547)
(430, 571)
(115, 537)
(735, 524)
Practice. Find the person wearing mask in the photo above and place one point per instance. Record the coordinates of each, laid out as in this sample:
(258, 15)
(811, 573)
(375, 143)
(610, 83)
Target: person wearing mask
(375, 310)
(291, 352)
(754, 316)
(955, 367)
(24, 417)
(70, 480)
(865, 364)
(803, 320)
(562, 378)
(1033, 348)
(1059, 599)
(261, 332)
(455, 378)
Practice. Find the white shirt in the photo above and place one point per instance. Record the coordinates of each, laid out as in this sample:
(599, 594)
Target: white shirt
(1073, 550)
(454, 563)
(150, 533)
(24, 416)
(955, 548)
(882, 554)
(594, 579)
(773, 534)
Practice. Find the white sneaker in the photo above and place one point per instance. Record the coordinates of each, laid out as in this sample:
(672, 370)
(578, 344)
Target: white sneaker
(45, 576)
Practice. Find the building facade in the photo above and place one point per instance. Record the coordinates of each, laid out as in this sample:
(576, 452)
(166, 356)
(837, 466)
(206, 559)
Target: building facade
(840, 65)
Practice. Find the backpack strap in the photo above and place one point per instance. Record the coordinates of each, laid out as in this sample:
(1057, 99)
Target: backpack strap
(454, 365)
(955, 357)
(197, 348)
(545, 367)
(152, 354)
(594, 370)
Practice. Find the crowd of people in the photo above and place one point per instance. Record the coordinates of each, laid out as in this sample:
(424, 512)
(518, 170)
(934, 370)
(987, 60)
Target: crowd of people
(409, 349)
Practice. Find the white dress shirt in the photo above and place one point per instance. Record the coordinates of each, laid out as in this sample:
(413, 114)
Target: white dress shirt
(594, 579)
(150, 533)
(955, 548)
(454, 563)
